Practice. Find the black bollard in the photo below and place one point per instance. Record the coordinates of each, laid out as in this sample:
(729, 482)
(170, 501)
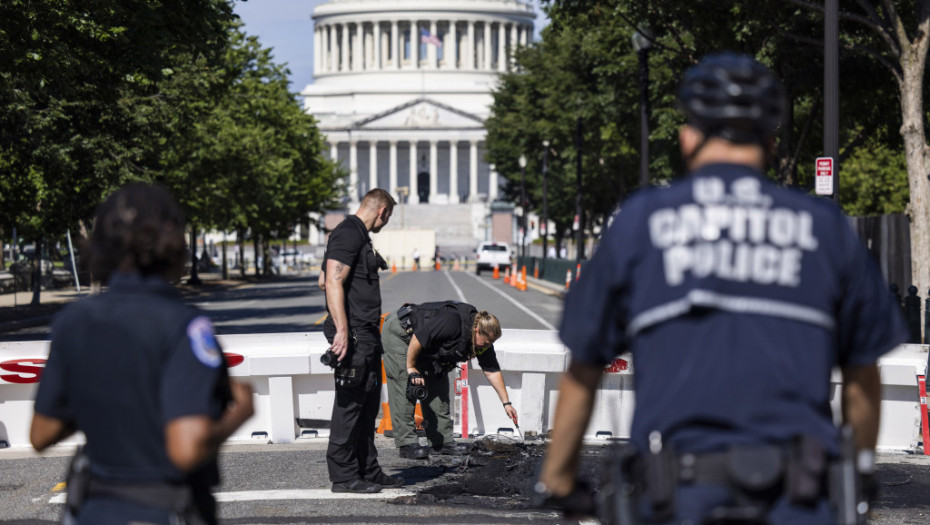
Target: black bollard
(912, 314)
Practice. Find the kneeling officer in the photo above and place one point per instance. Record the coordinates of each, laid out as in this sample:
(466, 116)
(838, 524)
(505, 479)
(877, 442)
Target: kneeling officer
(422, 344)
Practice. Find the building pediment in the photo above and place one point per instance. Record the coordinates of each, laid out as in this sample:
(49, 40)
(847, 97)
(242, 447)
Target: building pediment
(422, 113)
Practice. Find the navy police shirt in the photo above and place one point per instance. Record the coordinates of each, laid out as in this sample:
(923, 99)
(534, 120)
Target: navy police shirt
(736, 298)
(350, 244)
(125, 363)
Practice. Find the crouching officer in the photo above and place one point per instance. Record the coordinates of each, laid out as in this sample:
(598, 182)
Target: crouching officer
(141, 375)
(736, 297)
(422, 344)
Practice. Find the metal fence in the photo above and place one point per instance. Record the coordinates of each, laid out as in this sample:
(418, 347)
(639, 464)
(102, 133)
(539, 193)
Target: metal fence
(888, 239)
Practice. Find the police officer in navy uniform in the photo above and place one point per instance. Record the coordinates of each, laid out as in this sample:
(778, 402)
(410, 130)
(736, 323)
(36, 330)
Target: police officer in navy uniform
(353, 299)
(422, 344)
(736, 297)
(140, 373)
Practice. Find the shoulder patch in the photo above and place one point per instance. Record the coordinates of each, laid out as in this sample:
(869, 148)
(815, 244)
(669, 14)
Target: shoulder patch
(203, 342)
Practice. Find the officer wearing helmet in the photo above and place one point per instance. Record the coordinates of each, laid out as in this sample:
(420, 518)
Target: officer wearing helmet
(736, 298)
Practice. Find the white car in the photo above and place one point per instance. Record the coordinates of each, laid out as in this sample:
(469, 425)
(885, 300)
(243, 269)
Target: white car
(491, 254)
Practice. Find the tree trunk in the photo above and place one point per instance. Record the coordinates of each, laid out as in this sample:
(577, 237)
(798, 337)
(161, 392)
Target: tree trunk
(917, 154)
(37, 274)
(255, 247)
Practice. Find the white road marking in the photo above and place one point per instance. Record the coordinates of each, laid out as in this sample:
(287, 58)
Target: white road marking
(457, 289)
(515, 302)
(269, 495)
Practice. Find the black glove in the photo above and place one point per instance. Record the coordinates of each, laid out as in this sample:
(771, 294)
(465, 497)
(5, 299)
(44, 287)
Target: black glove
(577, 503)
(415, 392)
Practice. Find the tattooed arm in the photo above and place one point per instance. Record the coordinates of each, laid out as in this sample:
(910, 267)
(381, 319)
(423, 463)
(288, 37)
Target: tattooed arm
(336, 275)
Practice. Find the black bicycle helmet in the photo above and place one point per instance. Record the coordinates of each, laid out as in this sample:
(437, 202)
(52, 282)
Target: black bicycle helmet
(734, 97)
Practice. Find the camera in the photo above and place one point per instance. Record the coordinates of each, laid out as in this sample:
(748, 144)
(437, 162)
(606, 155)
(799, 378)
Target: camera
(330, 359)
(415, 392)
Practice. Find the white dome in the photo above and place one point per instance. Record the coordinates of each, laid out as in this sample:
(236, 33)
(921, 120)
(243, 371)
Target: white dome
(402, 88)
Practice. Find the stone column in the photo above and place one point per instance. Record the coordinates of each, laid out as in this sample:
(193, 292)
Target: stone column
(513, 44)
(415, 44)
(332, 59)
(454, 172)
(487, 46)
(334, 151)
(353, 170)
(524, 35)
(414, 194)
(364, 40)
(451, 55)
(501, 46)
(433, 169)
(492, 186)
(376, 35)
(358, 51)
(469, 62)
(344, 49)
(473, 171)
(372, 164)
(395, 44)
(317, 49)
(392, 173)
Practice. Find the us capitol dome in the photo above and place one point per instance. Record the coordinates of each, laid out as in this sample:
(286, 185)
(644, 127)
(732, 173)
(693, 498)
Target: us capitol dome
(402, 89)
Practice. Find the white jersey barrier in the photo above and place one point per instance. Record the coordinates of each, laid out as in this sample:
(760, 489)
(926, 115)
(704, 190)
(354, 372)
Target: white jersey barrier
(294, 391)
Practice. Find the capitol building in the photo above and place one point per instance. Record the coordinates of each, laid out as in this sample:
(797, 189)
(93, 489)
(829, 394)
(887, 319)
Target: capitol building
(401, 91)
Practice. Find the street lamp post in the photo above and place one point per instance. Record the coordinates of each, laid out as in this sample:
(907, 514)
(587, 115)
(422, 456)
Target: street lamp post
(544, 223)
(522, 161)
(642, 41)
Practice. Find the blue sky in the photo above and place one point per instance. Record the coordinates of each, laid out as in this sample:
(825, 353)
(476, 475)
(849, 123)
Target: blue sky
(286, 27)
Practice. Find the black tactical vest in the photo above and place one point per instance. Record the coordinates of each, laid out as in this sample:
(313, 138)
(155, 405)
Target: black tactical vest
(451, 352)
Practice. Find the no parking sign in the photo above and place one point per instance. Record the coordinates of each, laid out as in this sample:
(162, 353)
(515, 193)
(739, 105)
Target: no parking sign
(824, 176)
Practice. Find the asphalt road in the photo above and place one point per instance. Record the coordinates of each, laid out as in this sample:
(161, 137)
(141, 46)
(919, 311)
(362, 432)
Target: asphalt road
(296, 304)
(288, 484)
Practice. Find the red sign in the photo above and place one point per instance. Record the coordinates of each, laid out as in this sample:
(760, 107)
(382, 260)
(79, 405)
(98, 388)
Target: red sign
(823, 176)
(29, 370)
(24, 370)
(616, 366)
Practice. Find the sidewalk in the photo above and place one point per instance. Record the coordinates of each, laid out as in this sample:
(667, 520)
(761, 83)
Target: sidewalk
(16, 310)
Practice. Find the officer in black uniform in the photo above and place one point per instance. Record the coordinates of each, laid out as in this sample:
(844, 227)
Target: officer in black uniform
(353, 299)
(422, 344)
(736, 297)
(140, 374)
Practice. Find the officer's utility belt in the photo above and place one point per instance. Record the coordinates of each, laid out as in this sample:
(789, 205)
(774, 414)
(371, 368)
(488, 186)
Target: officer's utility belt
(755, 474)
(176, 498)
(83, 486)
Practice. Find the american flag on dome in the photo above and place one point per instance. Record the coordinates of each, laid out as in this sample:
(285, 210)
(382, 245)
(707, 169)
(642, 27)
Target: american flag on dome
(427, 38)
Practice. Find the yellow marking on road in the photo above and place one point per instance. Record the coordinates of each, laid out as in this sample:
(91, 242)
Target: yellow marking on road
(59, 487)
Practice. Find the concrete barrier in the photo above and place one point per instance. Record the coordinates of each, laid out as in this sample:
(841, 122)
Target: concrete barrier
(294, 392)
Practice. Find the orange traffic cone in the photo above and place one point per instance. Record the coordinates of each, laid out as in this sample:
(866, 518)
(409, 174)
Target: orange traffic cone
(535, 269)
(385, 408)
(507, 275)
(418, 417)
(455, 265)
(497, 273)
(568, 278)
(437, 266)
(393, 268)
(578, 272)
(513, 280)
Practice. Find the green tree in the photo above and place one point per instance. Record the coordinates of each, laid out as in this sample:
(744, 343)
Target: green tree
(66, 70)
(586, 54)
(252, 162)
